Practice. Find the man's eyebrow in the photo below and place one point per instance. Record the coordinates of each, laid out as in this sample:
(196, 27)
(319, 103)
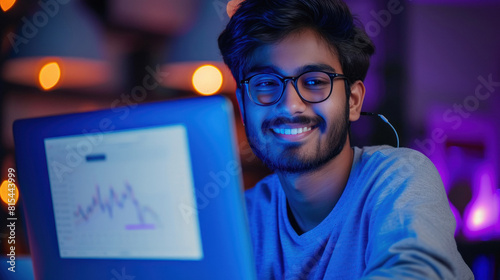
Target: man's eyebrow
(316, 67)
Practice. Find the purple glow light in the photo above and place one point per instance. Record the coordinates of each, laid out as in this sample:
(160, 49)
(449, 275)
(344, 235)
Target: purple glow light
(467, 157)
(481, 214)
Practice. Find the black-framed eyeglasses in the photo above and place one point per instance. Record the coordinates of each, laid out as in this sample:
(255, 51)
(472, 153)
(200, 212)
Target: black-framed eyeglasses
(267, 88)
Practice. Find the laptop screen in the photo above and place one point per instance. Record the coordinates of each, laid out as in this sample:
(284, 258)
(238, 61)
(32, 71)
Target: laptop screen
(111, 189)
(154, 194)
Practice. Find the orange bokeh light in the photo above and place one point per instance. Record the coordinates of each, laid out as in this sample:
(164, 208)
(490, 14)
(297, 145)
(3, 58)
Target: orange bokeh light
(7, 194)
(49, 76)
(7, 4)
(207, 80)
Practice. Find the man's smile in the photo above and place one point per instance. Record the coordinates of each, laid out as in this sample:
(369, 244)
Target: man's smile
(295, 129)
(293, 132)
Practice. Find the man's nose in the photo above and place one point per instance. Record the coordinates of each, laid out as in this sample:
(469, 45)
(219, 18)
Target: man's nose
(291, 103)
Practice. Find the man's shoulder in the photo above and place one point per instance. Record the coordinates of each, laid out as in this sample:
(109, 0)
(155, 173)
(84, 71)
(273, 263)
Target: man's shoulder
(405, 161)
(393, 171)
(388, 152)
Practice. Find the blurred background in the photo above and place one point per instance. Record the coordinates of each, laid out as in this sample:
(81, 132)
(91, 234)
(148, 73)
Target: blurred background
(435, 76)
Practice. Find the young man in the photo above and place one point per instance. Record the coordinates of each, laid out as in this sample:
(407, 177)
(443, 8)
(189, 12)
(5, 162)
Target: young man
(330, 211)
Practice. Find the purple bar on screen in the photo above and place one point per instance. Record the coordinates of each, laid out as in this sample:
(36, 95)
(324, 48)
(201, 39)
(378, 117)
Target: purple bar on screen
(139, 226)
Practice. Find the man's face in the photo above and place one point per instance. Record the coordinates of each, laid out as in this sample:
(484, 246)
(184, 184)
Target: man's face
(293, 135)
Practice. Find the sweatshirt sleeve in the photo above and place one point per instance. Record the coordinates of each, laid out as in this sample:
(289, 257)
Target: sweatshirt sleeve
(411, 228)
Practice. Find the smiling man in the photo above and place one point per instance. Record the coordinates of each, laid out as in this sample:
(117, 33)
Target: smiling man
(330, 210)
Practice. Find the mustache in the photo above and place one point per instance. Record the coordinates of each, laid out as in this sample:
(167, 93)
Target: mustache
(267, 124)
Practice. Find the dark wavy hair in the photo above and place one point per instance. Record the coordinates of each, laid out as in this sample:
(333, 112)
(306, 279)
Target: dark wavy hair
(261, 22)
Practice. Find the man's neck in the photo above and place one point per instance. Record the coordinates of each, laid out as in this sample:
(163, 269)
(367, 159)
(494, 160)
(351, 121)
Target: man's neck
(312, 196)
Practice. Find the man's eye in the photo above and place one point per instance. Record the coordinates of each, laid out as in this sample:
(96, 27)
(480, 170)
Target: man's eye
(266, 84)
(315, 82)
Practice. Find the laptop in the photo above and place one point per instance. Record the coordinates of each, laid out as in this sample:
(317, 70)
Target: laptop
(146, 192)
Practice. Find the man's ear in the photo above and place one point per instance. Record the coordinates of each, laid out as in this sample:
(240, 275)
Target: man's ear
(356, 100)
(239, 97)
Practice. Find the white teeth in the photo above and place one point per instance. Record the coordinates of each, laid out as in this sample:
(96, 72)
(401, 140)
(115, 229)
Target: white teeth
(291, 131)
